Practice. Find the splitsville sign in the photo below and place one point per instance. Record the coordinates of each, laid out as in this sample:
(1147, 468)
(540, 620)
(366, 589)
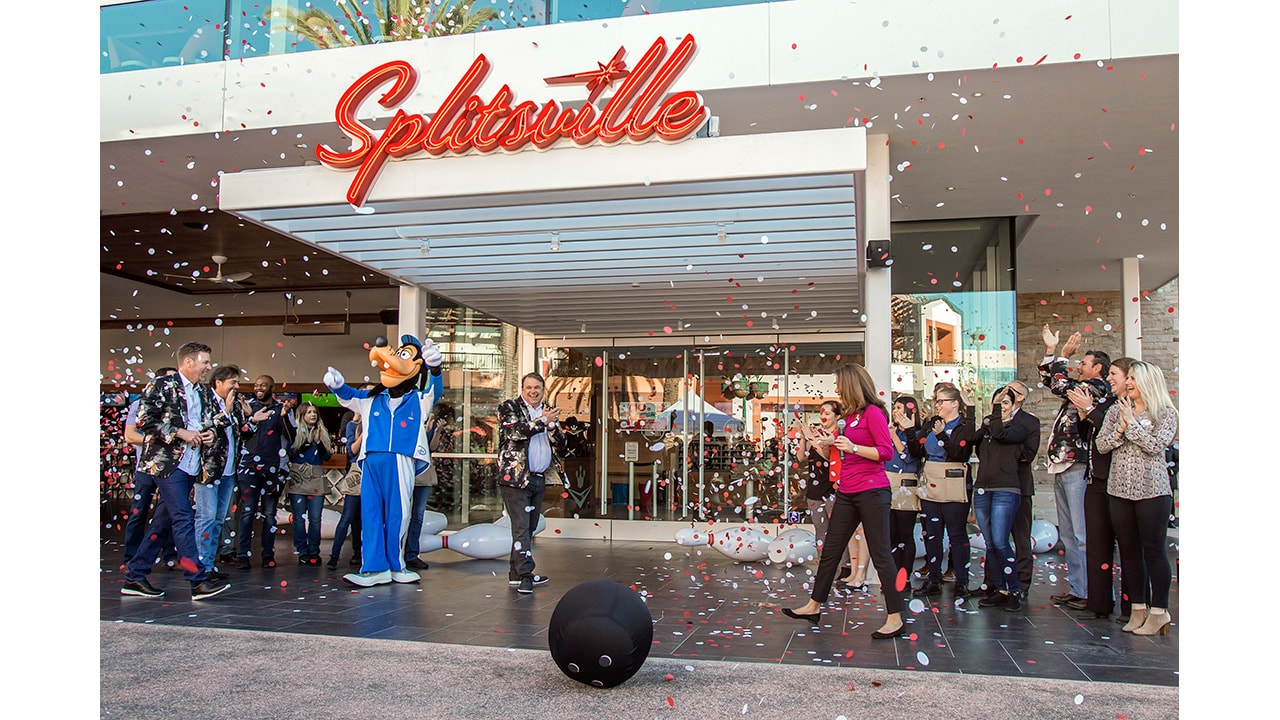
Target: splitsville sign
(639, 111)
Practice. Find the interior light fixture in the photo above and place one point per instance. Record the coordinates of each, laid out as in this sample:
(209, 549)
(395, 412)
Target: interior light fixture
(555, 243)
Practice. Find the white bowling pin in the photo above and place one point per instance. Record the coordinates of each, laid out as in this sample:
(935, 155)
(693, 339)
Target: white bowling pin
(690, 536)
(485, 541)
(505, 521)
(977, 542)
(741, 543)
(433, 522)
(793, 546)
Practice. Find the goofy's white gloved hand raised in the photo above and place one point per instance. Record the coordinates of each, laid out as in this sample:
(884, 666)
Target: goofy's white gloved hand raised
(334, 380)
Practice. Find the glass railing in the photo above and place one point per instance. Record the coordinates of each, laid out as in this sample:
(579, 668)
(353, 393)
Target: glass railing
(170, 33)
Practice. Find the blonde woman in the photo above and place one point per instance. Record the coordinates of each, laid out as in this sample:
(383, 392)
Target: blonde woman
(862, 497)
(1139, 426)
(311, 447)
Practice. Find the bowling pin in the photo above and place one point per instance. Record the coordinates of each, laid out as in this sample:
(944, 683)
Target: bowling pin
(742, 543)
(690, 536)
(485, 541)
(794, 547)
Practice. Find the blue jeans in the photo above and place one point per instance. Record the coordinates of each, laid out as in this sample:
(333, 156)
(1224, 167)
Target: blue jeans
(212, 502)
(420, 495)
(350, 519)
(995, 511)
(306, 511)
(259, 495)
(1068, 496)
(144, 489)
(174, 516)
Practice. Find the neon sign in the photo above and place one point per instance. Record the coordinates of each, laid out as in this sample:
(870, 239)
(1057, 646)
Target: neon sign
(639, 111)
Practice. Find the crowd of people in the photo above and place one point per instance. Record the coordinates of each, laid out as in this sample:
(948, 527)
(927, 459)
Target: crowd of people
(200, 445)
(875, 472)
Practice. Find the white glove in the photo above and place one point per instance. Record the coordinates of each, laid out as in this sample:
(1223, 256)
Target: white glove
(333, 379)
(431, 354)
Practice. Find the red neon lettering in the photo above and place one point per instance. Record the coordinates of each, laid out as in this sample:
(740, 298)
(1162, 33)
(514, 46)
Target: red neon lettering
(639, 110)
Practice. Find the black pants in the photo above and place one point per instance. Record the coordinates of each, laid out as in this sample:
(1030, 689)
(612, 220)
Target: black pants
(1142, 527)
(953, 517)
(524, 505)
(902, 526)
(1100, 550)
(870, 508)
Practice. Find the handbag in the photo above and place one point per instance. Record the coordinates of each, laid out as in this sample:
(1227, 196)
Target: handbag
(428, 477)
(903, 487)
(943, 482)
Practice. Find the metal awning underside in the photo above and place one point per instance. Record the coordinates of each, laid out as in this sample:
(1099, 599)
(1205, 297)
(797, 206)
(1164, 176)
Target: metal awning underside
(639, 248)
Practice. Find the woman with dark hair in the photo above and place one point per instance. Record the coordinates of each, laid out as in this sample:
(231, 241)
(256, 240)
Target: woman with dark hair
(903, 470)
(1136, 431)
(947, 443)
(862, 497)
(997, 493)
(820, 479)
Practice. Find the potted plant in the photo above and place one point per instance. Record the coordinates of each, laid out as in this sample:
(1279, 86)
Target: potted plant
(737, 386)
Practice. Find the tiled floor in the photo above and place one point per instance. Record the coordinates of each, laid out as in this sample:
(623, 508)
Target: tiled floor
(704, 605)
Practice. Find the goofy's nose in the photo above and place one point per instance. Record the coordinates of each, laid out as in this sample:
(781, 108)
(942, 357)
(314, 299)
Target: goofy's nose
(380, 341)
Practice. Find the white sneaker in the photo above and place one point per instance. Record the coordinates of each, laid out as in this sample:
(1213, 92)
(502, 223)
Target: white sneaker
(405, 576)
(368, 579)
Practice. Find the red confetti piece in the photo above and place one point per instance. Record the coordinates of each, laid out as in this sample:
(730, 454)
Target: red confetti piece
(671, 701)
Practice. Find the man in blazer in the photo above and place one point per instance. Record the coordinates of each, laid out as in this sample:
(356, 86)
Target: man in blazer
(175, 418)
(531, 445)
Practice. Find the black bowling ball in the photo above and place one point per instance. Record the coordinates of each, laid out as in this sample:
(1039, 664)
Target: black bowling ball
(600, 633)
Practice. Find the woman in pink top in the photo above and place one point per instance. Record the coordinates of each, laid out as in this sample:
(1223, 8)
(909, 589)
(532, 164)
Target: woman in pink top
(862, 497)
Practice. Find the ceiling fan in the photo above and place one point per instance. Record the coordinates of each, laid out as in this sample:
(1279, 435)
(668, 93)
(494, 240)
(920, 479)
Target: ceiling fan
(219, 278)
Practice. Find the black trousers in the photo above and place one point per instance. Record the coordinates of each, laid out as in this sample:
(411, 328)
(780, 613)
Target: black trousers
(870, 508)
(524, 505)
(1021, 548)
(953, 517)
(1100, 550)
(1142, 528)
(902, 526)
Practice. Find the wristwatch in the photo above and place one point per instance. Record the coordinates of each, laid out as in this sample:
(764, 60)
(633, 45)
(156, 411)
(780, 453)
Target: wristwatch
(855, 449)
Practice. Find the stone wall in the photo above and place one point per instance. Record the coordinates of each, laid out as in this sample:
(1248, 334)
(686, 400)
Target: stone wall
(1097, 316)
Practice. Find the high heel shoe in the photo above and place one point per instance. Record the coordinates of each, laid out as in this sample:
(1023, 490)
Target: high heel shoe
(1157, 623)
(801, 616)
(877, 635)
(1137, 617)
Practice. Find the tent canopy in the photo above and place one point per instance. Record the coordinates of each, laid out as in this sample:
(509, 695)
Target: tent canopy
(671, 418)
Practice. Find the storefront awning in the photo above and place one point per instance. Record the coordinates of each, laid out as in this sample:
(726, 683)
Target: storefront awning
(708, 236)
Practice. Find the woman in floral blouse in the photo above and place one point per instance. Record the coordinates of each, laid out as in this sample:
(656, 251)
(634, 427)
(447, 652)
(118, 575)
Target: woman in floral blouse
(1136, 431)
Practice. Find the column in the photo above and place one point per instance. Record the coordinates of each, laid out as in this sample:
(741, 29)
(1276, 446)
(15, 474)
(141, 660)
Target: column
(413, 314)
(1131, 307)
(877, 290)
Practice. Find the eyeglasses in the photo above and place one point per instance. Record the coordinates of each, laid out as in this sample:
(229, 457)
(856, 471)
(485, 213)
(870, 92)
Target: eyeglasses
(942, 400)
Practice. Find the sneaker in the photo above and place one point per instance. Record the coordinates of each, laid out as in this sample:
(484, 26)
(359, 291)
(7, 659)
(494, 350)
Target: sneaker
(1078, 604)
(242, 563)
(1013, 605)
(368, 579)
(140, 588)
(995, 598)
(415, 564)
(268, 562)
(540, 579)
(313, 560)
(208, 589)
(1062, 597)
(963, 592)
(304, 559)
(526, 585)
(355, 561)
(405, 576)
(215, 575)
(333, 562)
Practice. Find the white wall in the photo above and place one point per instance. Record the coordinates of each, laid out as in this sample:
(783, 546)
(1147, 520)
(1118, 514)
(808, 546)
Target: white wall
(755, 45)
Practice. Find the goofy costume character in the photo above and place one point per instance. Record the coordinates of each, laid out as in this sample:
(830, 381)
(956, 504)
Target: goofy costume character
(395, 449)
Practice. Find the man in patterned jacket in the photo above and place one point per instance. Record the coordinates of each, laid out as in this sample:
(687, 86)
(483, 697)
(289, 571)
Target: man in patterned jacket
(175, 417)
(1069, 454)
(532, 444)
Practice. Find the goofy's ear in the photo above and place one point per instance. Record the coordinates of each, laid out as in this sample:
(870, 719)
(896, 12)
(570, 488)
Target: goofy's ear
(375, 390)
